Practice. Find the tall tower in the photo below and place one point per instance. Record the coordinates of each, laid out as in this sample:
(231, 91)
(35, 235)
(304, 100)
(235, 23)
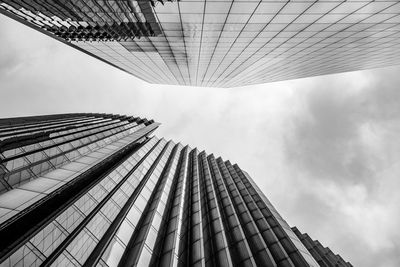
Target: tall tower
(100, 190)
(224, 43)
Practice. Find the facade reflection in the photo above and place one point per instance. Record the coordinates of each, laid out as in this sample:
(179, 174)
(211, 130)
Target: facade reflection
(222, 43)
(99, 190)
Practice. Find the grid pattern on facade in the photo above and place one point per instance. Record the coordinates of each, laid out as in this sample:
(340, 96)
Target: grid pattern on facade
(133, 200)
(88, 20)
(228, 43)
(323, 255)
(38, 155)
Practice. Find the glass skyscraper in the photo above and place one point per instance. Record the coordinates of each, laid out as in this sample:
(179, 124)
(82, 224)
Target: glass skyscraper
(222, 43)
(323, 255)
(101, 190)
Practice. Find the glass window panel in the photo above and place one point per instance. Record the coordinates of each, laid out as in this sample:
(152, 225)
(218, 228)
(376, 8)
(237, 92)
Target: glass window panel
(113, 253)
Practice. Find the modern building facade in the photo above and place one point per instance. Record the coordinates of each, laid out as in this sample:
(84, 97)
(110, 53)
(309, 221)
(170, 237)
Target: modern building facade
(323, 255)
(223, 43)
(100, 190)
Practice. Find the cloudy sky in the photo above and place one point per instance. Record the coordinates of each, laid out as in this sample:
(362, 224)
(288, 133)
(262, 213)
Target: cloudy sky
(324, 150)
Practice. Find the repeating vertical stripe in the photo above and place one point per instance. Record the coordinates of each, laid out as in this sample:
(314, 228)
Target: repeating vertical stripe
(323, 255)
(121, 197)
(224, 43)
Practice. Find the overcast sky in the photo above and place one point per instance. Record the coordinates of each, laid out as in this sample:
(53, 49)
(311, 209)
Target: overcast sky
(324, 150)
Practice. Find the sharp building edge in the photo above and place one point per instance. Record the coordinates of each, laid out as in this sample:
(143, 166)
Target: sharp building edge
(222, 43)
(323, 255)
(101, 190)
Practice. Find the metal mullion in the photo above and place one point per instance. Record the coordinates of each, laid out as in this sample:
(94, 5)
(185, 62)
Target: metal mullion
(307, 25)
(210, 250)
(230, 47)
(307, 59)
(201, 42)
(184, 42)
(176, 63)
(265, 209)
(80, 128)
(97, 121)
(226, 76)
(80, 123)
(309, 246)
(237, 255)
(180, 179)
(277, 255)
(101, 133)
(37, 130)
(195, 184)
(47, 157)
(342, 261)
(64, 153)
(217, 42)
(39, 127)
(128, 258)
(95, 52)
(69, 142)
(42, 211)
(167, 76)
(42, 122)
(322, 253)
(110, 234)
(146, 73)
(263, 260)
(3, 172)
(75, 205)
(207, 183)
(87, 128)
(173, 74)
(184, 242)
(28, 167)
(340, 30)
(332, 257)
(35, 251)
(361, 38)
(54, 255)
(287, 66)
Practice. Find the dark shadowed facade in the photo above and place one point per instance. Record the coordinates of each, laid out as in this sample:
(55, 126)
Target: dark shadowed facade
(100, 190)
(323, 255)
(222, 43)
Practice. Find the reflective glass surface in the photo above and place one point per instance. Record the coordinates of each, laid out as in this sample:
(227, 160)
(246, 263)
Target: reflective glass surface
(129, 199)
(224, 43)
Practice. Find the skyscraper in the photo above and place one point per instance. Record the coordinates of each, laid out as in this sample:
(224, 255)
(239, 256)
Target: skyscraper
(99, 189)
(323, 255)
(224, 43)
